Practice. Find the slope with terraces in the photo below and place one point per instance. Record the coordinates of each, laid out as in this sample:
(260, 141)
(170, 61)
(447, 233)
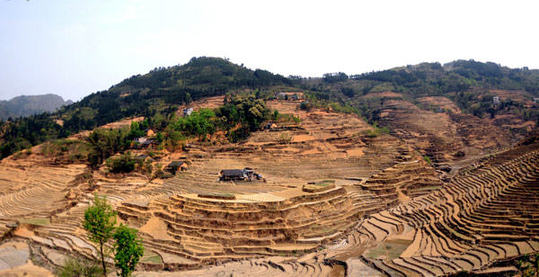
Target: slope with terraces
(204, 230)
(386, 211)
(408, 178)
(486, 216)
(33, 188)
(183, 228)
(444, 136)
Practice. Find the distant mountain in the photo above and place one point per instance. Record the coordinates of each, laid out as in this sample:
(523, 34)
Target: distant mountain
(30, 105)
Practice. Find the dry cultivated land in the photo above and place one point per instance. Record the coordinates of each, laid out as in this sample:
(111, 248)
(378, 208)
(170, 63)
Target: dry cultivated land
(334, 201)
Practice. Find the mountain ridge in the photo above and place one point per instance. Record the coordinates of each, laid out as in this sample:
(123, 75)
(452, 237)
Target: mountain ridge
(25, 105)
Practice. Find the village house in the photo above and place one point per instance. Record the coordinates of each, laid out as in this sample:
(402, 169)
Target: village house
(246, 174)
(176, 166)
(143, 142)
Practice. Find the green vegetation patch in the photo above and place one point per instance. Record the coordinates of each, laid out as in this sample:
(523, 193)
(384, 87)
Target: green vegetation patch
(218, 195)
(122, 164)
(376, 131)
(69, 150)
(151, 257)
(390, 249)
(319, 186)
(40, 221)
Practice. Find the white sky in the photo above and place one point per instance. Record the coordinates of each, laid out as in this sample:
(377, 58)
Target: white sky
(74, 48)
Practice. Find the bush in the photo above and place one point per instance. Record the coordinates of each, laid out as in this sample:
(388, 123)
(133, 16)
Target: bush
(73, 267)
(284, 138)
(67, 150)
(306, 106)
(123, 164)
(376, 131)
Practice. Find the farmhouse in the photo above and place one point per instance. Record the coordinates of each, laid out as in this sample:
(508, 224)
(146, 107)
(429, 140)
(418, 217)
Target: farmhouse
(246, 174)
(143, 142)
(174, 166)
(232, 175)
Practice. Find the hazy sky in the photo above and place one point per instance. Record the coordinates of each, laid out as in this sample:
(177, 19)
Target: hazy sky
(73, 48)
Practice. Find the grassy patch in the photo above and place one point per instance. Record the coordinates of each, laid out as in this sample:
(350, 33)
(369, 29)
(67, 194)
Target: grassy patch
(391, 249)
(218, 195)
(376, 131)
(151, 258)
(36, 221)
(325, 183)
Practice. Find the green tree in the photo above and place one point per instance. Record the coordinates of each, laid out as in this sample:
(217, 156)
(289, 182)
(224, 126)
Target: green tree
(99, 221)
(128, 250)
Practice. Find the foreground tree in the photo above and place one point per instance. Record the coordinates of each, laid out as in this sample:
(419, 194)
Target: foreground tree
(99, 221)
(128, 250)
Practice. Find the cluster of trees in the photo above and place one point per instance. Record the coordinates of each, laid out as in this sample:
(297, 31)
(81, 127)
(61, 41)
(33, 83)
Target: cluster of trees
(26, 132)
(105, 143)
(100, 225)
(241, 115)
(335, 77)
(200, 123)
(238, 117)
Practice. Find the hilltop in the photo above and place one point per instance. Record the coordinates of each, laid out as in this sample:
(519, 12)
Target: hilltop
(32, 104)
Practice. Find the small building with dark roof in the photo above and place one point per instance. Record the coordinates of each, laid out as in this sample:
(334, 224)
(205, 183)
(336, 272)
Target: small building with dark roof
(143, 142)
(246, 174)
(233, 175)
(174, 166)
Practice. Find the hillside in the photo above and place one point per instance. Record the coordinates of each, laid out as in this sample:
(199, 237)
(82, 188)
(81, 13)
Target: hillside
(447, 112)
(160, 91)
(30, 105)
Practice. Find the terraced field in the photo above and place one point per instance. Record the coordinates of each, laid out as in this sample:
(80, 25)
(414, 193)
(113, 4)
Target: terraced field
(384, 212)
(468, 225)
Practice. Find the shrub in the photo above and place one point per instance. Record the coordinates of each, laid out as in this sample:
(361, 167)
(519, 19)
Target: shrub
(123, 164)
(73, 267)
(284, 138)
